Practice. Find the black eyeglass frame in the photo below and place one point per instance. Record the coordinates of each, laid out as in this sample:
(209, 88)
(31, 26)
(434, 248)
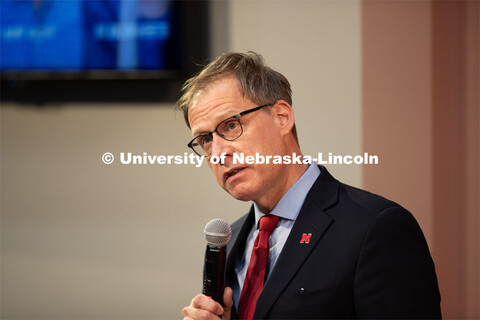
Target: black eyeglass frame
(236, 116)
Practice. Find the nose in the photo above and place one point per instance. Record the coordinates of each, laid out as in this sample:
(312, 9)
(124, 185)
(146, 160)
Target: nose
(220, 145)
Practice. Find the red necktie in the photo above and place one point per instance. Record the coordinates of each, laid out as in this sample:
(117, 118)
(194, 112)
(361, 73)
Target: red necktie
(256, 269)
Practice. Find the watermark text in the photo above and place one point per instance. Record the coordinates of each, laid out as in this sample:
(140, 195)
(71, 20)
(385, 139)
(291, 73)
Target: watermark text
(128, 158)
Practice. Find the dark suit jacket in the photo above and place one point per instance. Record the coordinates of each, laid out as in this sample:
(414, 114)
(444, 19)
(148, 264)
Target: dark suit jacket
(366, 258)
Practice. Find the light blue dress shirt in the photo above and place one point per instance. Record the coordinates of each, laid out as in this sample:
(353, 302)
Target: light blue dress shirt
(287, 209)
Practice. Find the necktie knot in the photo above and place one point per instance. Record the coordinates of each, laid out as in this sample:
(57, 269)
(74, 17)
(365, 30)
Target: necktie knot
(268, 223)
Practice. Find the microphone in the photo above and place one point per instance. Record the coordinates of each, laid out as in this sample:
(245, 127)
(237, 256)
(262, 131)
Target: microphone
(217, 233)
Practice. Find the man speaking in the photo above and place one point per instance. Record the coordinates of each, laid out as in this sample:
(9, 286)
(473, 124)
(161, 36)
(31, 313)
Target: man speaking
(311, 247)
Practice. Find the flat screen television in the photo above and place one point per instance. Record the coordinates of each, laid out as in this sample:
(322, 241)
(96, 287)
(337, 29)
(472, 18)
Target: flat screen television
(100, 50)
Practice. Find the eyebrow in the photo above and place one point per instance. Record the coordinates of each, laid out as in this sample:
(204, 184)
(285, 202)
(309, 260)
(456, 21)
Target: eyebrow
(196, 134)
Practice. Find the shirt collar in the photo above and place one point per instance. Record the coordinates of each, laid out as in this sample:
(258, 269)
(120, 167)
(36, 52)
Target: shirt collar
(288, 207)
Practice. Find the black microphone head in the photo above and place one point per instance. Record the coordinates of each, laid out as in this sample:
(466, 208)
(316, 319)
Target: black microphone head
(217, 232)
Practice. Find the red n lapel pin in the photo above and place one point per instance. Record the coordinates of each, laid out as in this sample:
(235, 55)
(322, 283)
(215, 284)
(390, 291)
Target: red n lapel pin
(306, 238)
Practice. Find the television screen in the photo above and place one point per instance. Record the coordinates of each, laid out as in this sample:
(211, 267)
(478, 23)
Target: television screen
(80, 40)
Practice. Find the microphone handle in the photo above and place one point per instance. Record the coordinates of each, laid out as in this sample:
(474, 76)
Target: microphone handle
(214, 273)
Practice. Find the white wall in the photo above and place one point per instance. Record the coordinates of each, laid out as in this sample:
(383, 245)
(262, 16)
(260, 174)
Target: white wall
(316, 45)
(81, 239)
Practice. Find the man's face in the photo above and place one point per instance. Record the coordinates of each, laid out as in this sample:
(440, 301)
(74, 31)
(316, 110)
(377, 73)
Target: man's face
(223, 99)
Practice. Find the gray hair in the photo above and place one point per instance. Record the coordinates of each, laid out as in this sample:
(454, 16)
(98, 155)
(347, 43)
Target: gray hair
(258, 82)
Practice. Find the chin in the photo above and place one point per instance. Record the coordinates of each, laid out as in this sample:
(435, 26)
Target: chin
(241, 195)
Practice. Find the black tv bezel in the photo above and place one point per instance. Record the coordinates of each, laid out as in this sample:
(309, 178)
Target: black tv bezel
(118, 86)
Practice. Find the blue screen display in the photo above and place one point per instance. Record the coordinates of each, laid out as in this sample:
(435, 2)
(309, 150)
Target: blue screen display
(83, 35)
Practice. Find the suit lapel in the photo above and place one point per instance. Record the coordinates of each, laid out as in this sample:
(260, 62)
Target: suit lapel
(240, 231)
(313, 220)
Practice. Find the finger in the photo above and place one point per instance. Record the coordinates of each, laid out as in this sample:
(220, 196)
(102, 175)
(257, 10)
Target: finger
(185, 313)
(228, 303)
(198, 314)
(203, 302)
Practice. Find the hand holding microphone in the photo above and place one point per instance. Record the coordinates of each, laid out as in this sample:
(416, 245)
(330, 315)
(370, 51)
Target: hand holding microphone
(215, 300)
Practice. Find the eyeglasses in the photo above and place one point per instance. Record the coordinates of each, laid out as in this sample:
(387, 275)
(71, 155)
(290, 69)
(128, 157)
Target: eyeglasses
(229, 129)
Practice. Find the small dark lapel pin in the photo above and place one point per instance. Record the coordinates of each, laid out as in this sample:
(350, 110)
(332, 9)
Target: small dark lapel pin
(306, 238)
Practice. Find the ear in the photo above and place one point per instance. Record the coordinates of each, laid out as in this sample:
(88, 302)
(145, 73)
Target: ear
(283, 112)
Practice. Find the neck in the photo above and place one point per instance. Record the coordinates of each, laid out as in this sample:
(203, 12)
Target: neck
(287, 178)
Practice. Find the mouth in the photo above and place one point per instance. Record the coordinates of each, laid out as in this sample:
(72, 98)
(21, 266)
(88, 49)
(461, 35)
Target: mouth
(232, 172)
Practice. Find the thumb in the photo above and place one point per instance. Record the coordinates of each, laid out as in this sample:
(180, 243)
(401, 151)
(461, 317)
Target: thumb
(228, 303)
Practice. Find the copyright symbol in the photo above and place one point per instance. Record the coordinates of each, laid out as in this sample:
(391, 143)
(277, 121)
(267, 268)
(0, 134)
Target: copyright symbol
(107, 158)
